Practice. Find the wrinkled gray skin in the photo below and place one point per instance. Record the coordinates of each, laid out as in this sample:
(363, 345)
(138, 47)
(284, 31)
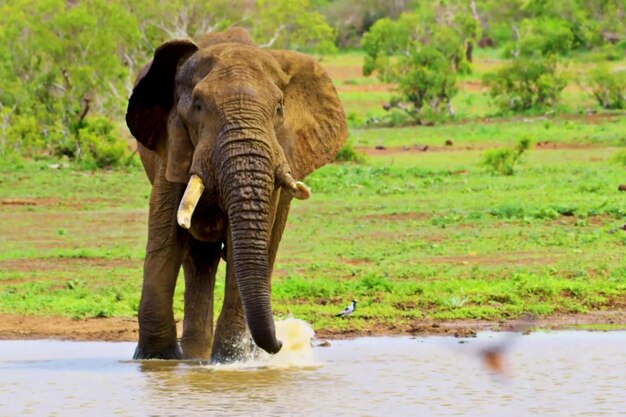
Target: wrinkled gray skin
(248, 122)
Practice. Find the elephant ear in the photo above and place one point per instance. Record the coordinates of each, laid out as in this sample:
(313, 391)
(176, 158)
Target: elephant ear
(314, 127)
(152, 116)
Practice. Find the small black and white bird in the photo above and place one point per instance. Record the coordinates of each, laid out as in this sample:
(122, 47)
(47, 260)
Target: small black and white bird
(348, 310)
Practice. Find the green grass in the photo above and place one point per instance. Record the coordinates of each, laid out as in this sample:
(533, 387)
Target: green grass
(411, 235)
(610, 132)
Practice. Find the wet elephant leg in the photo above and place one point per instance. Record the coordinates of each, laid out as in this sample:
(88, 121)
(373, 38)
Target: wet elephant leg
(157, 329)
(231, 342)
(200, 262)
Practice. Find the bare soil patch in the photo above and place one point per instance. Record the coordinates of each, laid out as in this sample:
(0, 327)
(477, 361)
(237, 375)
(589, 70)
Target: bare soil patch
(31, 327)
(397, 216)
(417, 149)
(365, 88)
(521, 258)
(64, 264)
(471, 85)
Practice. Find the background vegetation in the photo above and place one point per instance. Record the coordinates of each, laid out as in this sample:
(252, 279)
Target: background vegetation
(67, 67)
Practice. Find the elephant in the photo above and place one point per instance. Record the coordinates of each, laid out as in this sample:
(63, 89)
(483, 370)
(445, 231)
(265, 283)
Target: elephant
(226, 132)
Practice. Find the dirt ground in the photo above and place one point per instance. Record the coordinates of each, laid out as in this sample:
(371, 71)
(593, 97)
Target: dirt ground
(125, 329)
(395, 150)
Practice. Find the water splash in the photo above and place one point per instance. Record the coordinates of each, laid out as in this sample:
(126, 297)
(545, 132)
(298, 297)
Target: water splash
(296, 336)
(296, 352)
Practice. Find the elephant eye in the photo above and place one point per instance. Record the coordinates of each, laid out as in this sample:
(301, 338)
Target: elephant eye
(279, 109)
(197, 107)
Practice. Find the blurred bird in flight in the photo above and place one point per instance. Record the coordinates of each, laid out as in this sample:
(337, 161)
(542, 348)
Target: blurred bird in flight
(493, 356)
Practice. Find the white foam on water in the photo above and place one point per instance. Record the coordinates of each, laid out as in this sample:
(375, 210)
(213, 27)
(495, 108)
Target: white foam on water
(296, 352)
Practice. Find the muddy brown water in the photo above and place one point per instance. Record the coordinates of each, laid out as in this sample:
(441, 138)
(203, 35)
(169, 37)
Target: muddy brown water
(548, 374)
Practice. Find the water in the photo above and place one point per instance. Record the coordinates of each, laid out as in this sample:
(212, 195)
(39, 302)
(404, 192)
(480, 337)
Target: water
(549, 374)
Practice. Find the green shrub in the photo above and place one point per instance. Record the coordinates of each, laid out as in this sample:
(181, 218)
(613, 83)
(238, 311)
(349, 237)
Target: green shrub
(349, 154)
(502, 161)
(427, 85)
(100, 147)
(611, 52)
(531, 79)
(608, 88)
(541, 37)
(526, 83)
(619, 158)
(421, 52)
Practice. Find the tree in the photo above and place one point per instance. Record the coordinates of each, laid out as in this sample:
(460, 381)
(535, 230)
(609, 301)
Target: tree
(294, 24)
(422, 52)
(531, 79)
(62, 72)
(67, 67)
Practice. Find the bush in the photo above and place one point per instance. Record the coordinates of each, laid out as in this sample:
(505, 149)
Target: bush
(427, 85)
(610, 52)
(422, 52)
(541, 37)
(619, 158)
(349, 154)
(99, 146)
(502, 161)
(531, 79)
(608, 88)
(526, 83)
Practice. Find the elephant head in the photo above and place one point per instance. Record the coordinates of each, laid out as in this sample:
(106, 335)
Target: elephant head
(237, 122)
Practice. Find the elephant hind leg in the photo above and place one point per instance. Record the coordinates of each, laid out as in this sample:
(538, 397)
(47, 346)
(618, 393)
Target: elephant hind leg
(200, 262)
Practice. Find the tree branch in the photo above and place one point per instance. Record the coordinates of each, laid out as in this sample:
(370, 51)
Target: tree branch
(274, 38)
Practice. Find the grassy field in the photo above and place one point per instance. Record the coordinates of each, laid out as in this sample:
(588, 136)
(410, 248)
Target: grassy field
(412, 235)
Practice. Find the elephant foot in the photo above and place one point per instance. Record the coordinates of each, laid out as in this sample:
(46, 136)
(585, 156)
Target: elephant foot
(148, 352)
(236, 349)
(194, 349)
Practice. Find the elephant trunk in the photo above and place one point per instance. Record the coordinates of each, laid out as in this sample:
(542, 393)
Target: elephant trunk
(246, 176)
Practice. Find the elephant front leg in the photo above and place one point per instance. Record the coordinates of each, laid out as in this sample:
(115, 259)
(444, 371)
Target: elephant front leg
(232, 341)
(200, 264)
(157, 328)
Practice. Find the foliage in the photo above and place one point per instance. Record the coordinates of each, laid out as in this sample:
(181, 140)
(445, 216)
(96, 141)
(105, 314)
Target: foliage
(56, 72)
(502, 161)
(591, 23)
(526, 83)
(59, 82)
(292, 24)
(539, 38)
(619, 158)
(608, 87)
(352, 19)
(349, 154)
(422, 52)
(531, 79)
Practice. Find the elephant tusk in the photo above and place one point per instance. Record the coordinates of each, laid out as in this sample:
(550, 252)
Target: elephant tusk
(300, 190)
(190, 199)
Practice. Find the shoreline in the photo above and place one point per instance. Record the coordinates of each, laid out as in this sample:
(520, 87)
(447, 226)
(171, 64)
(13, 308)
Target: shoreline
(125, 329)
